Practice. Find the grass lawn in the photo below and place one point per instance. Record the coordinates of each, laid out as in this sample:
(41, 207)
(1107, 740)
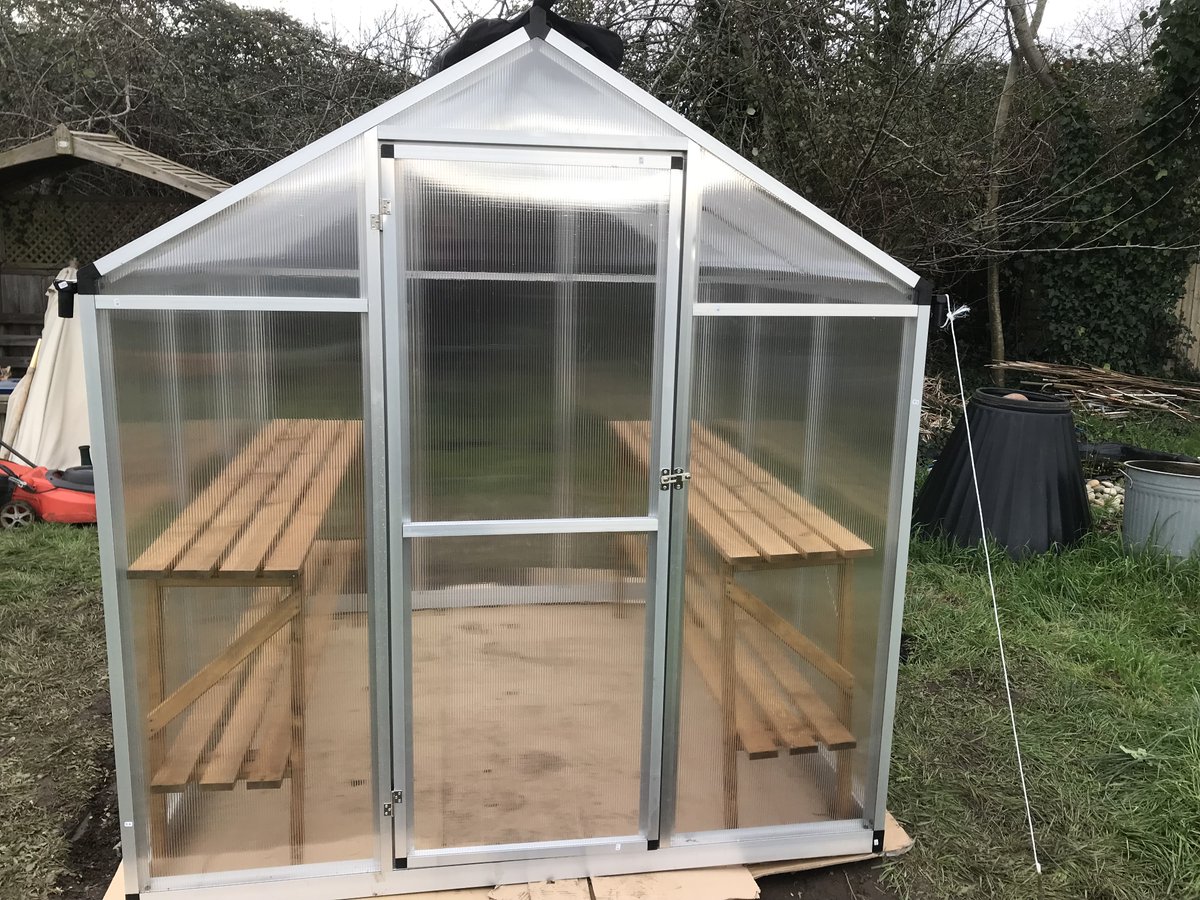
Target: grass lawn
(55, 735)
(1104, 654)
(1104, 651)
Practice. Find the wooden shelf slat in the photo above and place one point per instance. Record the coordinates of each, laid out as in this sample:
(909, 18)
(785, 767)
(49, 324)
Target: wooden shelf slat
(221, 771)
(845, 541)
(828, 727)
(273, 515)
(790, 727)
(755, 737)
(159, 558)
(294, 543)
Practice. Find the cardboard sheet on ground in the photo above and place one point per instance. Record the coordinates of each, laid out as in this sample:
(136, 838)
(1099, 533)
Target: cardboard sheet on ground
(727, 883)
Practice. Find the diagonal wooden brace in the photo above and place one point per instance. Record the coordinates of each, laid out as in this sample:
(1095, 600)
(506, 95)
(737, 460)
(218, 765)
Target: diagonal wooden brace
(791, 636)
(196, 686)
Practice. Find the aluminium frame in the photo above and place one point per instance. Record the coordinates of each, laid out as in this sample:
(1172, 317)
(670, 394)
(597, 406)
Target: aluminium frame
(358, 878)
(593, 857)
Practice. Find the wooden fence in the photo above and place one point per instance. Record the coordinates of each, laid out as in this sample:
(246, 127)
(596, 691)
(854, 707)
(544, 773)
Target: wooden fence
(1189, 313)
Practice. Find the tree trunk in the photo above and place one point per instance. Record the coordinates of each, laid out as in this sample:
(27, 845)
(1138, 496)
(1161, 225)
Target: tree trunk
(991, 221)
(1027, 42)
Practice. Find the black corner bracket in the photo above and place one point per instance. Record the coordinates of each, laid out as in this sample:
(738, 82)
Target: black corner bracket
(652, 845)
(923, 293)
(388, 151)
(877, 841)
(86, 279)
(401, 862)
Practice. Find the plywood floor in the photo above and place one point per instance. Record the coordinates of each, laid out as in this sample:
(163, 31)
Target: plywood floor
(527, 726)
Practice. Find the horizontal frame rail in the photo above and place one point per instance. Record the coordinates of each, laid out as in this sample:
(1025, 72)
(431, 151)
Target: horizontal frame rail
(588, 277)
(600, 157)
(822, 310)
(199, 302)
(403, 134)
(467, 528)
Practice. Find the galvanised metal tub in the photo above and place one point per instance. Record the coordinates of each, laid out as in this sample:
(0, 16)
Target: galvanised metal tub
(1162, 507)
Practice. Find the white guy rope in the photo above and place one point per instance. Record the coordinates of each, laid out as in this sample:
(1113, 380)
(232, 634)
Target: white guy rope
(951, 315)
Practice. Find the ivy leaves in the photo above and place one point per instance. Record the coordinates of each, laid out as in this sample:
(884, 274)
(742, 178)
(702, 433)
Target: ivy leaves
(1126, 199)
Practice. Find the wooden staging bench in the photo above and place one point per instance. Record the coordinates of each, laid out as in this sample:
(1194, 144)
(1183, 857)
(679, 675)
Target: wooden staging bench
(750, 520)
(255, 525)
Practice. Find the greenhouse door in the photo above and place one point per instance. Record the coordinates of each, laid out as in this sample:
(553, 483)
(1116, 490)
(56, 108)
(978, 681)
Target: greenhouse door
(530, 301)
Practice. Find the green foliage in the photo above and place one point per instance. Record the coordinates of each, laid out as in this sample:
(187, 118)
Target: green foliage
(224, 89)
(1120, 203)
(878, 111)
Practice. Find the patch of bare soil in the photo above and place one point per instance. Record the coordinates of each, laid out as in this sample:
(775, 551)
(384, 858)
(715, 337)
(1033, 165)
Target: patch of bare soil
(94, 840)
(856, 881)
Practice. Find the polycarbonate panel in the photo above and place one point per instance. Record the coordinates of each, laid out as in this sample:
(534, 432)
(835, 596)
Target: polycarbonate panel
(532, 91)
(238, 442)
(793, 431)
(532, 294)
(296, 237)
(753, 248)
(528, 657)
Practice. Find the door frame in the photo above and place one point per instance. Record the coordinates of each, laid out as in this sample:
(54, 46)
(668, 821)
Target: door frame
(395, 411)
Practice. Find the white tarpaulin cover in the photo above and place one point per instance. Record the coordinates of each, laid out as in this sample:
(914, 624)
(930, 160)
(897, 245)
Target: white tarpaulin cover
(47, 414)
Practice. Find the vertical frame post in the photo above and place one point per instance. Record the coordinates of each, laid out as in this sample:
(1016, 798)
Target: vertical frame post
(674, 539)
(110, 519)
(904, 468)
(670, 239)
(375, 471)
(396, 364)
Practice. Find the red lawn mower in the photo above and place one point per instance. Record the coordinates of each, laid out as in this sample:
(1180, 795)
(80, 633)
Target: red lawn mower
(29, 493)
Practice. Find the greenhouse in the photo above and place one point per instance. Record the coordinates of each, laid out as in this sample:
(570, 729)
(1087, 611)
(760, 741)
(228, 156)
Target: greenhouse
(512, 485)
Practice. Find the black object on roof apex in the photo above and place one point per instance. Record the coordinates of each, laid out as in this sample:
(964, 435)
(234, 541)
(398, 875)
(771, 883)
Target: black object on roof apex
(603, 44)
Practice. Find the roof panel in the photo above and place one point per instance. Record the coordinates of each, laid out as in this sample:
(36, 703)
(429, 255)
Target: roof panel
(535, 90)
(291, 230)
(755, 249)
(295, 237)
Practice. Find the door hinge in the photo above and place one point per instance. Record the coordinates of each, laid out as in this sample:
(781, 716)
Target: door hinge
(397, 799)
(385, 210)
(676, 479)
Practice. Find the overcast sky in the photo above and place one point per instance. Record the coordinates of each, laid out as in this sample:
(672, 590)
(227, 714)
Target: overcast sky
(1059, 21)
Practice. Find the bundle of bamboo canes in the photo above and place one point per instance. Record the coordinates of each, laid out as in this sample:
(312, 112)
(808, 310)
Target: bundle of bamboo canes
(1112, 394)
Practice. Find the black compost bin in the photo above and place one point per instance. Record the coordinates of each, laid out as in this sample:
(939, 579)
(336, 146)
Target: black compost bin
(1030, 480)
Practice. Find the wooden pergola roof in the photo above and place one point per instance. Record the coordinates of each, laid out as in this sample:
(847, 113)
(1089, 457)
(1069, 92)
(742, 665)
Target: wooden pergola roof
(66, 149)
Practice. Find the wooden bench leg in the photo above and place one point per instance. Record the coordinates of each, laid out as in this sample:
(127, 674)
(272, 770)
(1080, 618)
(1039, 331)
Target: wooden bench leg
(844, 795)
(618, 585)
(156, 690)
(296, 757)
(729, 738)
(626, 554)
